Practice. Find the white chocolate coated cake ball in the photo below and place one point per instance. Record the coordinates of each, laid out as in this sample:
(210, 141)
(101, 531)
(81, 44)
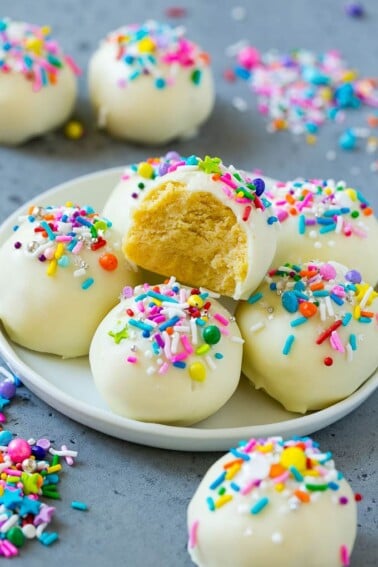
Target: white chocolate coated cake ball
(37, 82)
(311, 334)
(325, 220)
(150, 84)
(273, 502)
(166, 354)
(62, 271)
(207, 224)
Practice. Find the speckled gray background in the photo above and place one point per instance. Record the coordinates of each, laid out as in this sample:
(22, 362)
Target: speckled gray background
(138, 495)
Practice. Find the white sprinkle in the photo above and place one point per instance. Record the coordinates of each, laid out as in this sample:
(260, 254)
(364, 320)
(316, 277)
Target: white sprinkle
(78, 273)
(318, 244)
(235, 339)
(175, 342)
(210, 362)
(257, 327)
(349, 352)
(29, 531)
(65, 453)
(277, 537)
(31, 441)
(339, 224)
(239, 103)
(9, 523)
(331, 243)
(313, 234)
(181, 329)
(148, 354)
(40, 529)
(151, 370)
(193, 328)
(365, 298)
(329, 306)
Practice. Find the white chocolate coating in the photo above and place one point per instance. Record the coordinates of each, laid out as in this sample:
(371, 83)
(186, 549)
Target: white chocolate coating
(301, 379)
(127, 200)
(28, 108)
(54, 313)
(135, 108)
(353, 236)
(136, 374)
(297, 526)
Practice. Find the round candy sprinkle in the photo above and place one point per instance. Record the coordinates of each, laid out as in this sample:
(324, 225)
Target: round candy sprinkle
(211, 335)
(197, 371)
(328, 361)
(18, 450)
(74, 130)
(109, 262)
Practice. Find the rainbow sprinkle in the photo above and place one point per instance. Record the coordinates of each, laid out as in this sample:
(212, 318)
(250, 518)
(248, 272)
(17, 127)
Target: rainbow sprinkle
(61, 233)
(296, 469)
(321, 207)
(177, 327)
(153, 49)
(317, 289)
(31, 51)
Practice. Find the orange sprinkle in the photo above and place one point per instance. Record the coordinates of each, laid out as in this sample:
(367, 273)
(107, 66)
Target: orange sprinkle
(205, 57)
(232, 463)
(216, 176)
(276, 470)
(308, 273)
(302, 496)
(290, 199)
(307, 309)
(368, 211)
(169, 330)
(293, 211)
(369, 314)
(108, 262)
(317, 285)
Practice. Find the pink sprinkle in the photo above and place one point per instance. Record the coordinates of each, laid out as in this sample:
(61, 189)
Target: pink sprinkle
(305, 202)
(3, 418)
(76, 249)
(359, 232)
(336, 342)
(140, 306)
(221, 319)
(250, 445)
(227, 179)
(284, 476)
(250, 486)
(164, 368)
(12, 472)
(71, 63)
(193, 534)
(179, 356)
(132, 359)
(63, 238)
(344, 556)
(186, 344)
(69, 460)
(282, 215)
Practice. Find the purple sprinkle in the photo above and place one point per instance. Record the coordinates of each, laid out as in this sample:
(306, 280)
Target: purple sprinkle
(343, 500)
(134, 195)
(127, 292)
(310, 222)
(163, 168)
(259, 185)
(17, 244)
(353, 276)
(173, 156)
(42, 258)
(354, 9)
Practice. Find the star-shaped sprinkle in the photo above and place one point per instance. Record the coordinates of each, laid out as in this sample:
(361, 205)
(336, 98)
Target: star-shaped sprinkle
(44, 515)
(361, 291)
(210, 165)
(11, 498)
(29, 506)
(119, 335)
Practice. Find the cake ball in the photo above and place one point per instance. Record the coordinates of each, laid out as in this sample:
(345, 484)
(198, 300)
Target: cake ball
(273, 502)
(311, 334)
(62, 270)
(150, 84)
(37, 82)
(166, 354)
(322, 220)
(207, 224)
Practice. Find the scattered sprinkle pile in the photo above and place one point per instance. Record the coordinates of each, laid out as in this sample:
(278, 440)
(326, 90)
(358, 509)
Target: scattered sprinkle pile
(31, 51)
(61, 233)
(174, 323)
(158, 50)
(321, 207)
(316, 289)
(295, 468)
(29, 472)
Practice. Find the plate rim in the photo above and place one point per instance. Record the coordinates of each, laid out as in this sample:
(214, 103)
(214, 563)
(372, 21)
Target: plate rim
(160, 435)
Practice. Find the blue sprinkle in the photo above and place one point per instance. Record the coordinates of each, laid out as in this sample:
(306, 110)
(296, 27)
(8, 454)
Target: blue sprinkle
(272, 220)
(218, 481)
(325, 221)
(301, 224)
(83, 221)
(327, 228)
(346, 319)
(288, 344)
(320, 293)
(234, 486)
(253, 298)
(260, 505)
(296, 474)
(200, 322)
(365, 320)
(299, 286)
(298, 321)
(332, 212)
(337, 299)
(160, 83)
(210, 504)
(161, 297)
(170, 323)
(333, 486)
(290, 301)
(353, 342)
(179, 364)
(141, 325)
(76, 505)
(218, 355)
(273, 286)
(240, 455)
(47, 228)
(192, 160)
(87, 283)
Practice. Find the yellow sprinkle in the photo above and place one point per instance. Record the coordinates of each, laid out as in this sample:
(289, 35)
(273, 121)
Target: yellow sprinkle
(55, 468)
(349, 76)
(326, 94)
(46, 30)
(2, 488)
(51, 268)
(203, 349)
(311, 139)
(69, 204)
(100, 225)
(357, 312)
(267, 448)
(145, 170)
(195, 301)
(146, 45)
(197, 371)
(293, 457)
(310, 472)
(328, 191)
(59, 250)
(351, 194)
(232, 471)
(34, 44)
(3, 476)
(74, 130)
(222, 500)
(279, 486)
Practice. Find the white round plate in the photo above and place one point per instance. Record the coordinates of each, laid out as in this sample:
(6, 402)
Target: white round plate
(67, 385)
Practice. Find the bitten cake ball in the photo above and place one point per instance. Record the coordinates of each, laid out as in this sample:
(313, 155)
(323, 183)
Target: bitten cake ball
(273, 502)
(166, 354)
(150, 84)
(311, 334)
(61, 271)
(37, 82)
(321, 220)
(206, 224)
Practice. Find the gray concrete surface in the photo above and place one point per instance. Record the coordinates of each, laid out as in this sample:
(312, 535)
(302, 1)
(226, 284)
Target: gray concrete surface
(138, 495)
